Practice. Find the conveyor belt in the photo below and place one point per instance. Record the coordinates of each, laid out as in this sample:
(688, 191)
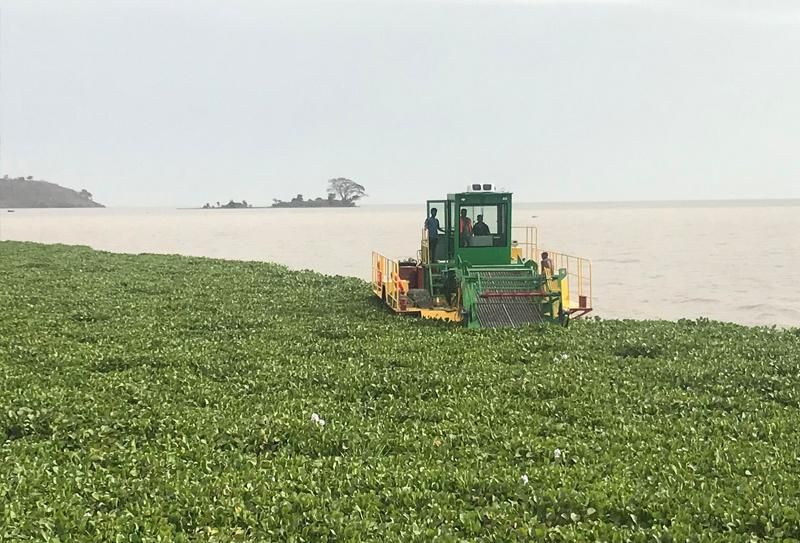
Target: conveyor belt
(508, 311)
(504, 280)
(511, 302)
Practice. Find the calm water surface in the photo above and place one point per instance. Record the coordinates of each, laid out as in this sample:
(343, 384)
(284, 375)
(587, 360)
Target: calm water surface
(726, 262)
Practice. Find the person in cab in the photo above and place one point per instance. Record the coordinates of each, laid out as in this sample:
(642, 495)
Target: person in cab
(464, 228)
(481, 228)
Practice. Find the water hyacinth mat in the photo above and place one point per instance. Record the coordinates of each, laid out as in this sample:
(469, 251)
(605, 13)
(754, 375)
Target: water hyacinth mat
(166, 398)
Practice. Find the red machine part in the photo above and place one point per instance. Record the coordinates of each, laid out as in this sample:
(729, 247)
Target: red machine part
(413, 274)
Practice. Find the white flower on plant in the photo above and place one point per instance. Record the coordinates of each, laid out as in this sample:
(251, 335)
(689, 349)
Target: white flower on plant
(564, 356)
(557, 454)
(315, 418)
(524, 479)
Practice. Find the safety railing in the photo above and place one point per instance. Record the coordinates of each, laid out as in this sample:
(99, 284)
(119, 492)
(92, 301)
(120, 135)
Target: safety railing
(579, 278)
(386, 282)
(424, 253)
(524, 243)
(378, 273)
(579, 270)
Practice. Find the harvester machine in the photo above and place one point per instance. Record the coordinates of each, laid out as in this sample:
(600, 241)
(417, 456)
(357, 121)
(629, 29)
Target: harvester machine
(473, 267)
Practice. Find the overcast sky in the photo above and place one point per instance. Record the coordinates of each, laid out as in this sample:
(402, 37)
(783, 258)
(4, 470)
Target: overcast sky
(145, 102)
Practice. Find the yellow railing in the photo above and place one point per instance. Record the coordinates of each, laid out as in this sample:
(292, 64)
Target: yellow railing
(579, 278)
(578, 269)
(386, 282)
(525, 242)
(424, 253)
(378, 264)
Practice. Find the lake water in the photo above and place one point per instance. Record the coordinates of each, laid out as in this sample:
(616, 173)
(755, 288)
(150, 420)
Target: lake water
(735, 262)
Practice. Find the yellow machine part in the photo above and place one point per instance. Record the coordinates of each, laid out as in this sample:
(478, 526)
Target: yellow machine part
(386, 284)
(564, 288)
(452, 315)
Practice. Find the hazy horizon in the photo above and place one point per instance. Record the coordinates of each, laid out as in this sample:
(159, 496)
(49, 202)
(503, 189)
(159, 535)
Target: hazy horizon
(585, 101)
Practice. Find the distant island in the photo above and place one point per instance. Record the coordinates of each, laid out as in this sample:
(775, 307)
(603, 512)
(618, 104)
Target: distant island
(230, 205)
(27, 192)
(299, 201)
(342, 192)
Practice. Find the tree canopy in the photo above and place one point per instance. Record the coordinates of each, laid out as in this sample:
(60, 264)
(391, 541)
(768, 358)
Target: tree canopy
(346, 189)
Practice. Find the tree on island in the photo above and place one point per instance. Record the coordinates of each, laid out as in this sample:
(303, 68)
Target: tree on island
(346, 189)
(86, 194)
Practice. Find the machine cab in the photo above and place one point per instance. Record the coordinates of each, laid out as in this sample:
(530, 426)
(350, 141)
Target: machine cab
(476, 227)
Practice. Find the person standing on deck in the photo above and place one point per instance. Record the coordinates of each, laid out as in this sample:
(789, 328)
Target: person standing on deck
(464, 228)
(432, 226)
(547, 264)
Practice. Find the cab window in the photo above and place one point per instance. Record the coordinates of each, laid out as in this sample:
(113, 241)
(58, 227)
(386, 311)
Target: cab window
(488, 225)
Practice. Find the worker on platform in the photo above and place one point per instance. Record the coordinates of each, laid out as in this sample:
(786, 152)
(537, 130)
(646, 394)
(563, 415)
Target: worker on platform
(433, 228)
(547, 265)
(481, 228)
(464, 228)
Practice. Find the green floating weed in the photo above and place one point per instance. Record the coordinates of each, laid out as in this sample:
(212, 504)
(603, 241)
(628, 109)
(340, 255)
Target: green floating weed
(163, 398)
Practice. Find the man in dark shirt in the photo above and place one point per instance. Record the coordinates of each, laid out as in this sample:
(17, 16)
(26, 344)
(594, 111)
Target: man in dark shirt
(480, 228)
(432, 226)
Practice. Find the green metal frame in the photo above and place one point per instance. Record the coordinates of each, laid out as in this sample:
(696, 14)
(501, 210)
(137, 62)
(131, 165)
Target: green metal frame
(498, 255)
(474, 277)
